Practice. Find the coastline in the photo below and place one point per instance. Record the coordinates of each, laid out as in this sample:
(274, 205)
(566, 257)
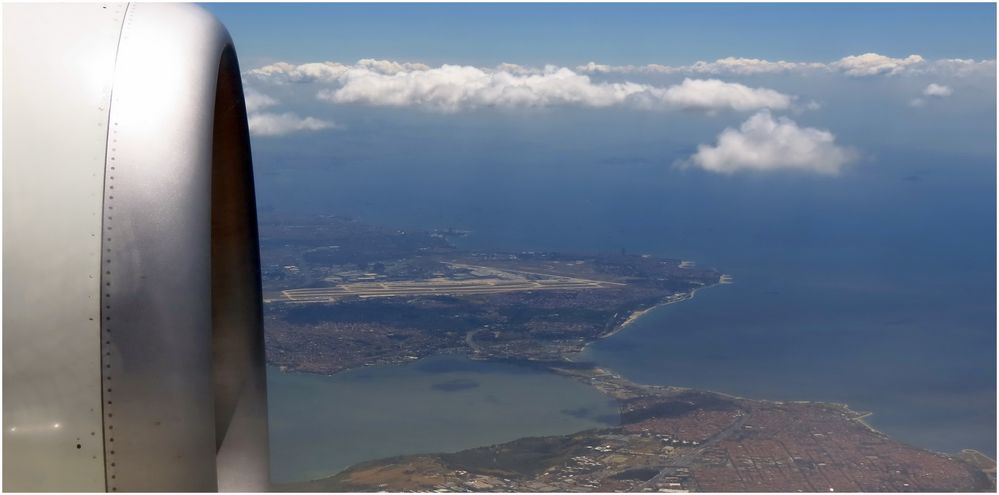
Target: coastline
(675, 298)
(620, 389)
(858, 416)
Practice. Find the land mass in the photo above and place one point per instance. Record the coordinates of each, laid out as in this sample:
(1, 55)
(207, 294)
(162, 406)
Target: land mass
(341, 294)
(334, 305)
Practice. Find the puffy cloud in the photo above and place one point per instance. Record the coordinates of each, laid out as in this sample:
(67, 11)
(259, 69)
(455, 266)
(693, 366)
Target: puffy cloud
(711, 94)
(285, 72)
(937, 90)
(934, 90)
(452, 88)
(390, 67)
(278, 124)
(872, 64)
(764, 143)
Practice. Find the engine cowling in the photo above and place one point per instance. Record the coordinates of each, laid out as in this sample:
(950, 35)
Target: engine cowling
(132, 329)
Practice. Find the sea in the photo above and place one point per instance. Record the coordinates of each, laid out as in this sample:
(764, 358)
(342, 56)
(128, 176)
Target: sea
(320, 425)
(875, 288)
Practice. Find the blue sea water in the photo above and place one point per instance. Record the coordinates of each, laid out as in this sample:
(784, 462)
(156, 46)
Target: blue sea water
(875, 287)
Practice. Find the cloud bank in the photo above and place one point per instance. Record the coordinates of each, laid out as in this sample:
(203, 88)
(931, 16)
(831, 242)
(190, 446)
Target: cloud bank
(863, 65)
(763, 143)
(872, 64)
(451, 88)
(284, 72)
(722, 66)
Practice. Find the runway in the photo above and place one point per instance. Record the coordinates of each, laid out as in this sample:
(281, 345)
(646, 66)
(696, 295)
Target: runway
(433, 287)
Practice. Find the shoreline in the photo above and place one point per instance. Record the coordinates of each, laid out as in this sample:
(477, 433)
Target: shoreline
(858, 416)
(637, 314)
(589, 373)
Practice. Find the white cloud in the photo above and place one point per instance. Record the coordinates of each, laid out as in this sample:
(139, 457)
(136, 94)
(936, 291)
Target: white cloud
(272, 123)
(712, 94)
(283, 72)
(256, 100)
(595, 68)
(867, 64)
(962, 67)
(937, 90)
(932, 91)
(390, 67)
(728, 65)
(279, 124)
(763, 143)
(872, 64)
(519, 69)
(745, 66)
(452, 88)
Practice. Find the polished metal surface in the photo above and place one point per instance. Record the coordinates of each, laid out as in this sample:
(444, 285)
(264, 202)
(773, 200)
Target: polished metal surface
(160, 406)
(58, 67)
(237, 304)
(133, 351)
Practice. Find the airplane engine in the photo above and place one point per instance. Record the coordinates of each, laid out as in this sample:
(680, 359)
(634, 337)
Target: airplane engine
(133, 352)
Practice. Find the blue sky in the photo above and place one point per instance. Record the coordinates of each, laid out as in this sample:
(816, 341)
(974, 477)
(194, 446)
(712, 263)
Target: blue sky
(622, 34)
(814, 88)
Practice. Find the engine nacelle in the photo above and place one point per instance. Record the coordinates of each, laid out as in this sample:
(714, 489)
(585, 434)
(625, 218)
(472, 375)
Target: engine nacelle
(133, 353)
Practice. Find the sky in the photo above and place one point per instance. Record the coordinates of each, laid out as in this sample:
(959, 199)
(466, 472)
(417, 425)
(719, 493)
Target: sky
(565, 34)
(786, 79)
